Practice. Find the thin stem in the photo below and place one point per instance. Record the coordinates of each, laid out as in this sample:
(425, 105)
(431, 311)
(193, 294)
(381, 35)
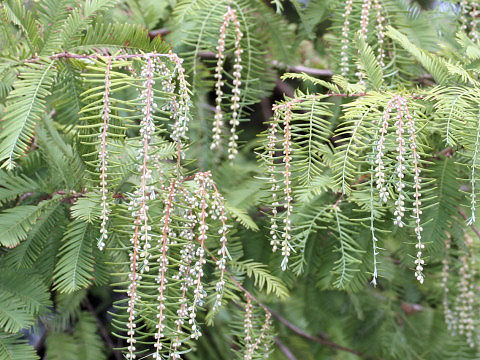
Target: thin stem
(67, 55)
(163, 269)
(284, 349)
(321, 340)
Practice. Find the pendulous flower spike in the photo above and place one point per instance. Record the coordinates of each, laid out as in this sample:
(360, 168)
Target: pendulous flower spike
(103, 156)
(229, 16)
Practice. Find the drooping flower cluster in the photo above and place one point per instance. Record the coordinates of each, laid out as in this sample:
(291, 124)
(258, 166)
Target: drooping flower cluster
(146, 191)
(473, 182)
(161, 279)
(253, 339)
(347, 34)
(103, 156)
(400, 202)
(179, 105)
(367, 4)
(463, 15)
(189, 216)
(380, 33)
(208, 204)
(404, 119)
(448, 313)
(179, 108)
(218, 209)
(248, 328)
(364, 18)
(138, 204)
(372, 231)
(185, 274)
(286, 234)
(469, 12)
(173, 248)
(134, 278)
(283, 235)
(266, 328)
(466, 288)
(230, 16)
(211, 205)
(272, 143)
(380, 148)
(475, 12)
(345, 38)
(461, 319)
(202, 196)
(419, 262)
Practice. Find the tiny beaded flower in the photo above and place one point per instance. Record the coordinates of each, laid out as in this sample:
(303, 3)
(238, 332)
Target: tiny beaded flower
(161, 279)
(344, 66)
(103, 156)
(403, 120)
(229, 16)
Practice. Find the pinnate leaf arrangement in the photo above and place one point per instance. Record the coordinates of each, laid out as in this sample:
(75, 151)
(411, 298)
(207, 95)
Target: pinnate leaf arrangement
(243, 180)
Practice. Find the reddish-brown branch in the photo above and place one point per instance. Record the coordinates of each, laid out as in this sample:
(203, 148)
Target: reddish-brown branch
(321, 340)
(284, 349)
(159, 32)
(67, 55)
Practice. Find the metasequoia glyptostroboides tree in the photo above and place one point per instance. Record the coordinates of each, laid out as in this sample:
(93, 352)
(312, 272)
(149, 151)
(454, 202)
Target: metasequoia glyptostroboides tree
(132, 201)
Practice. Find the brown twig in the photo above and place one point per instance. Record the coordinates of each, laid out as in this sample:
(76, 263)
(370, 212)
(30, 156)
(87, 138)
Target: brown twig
(266, 108)
(409, 308)
(67, 55)
(310, 71)
(321, 340)
(304, 69)
(284, 349)
(284, 88)
(159, 32)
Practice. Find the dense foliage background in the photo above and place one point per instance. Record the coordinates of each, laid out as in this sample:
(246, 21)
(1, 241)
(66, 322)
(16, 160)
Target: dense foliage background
(153, 152)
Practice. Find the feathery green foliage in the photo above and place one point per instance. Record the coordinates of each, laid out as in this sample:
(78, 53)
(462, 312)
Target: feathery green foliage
(154, 153)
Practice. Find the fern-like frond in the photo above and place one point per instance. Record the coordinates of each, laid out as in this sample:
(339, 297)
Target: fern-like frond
(86, 208)
(79, 18)
(24, 296)
(13, 347)
(262, 277)
(432, 64)
(89, 343)
(114, 37)
(67, 309)
(360, 116)
(48, 227)
(242, 217)
(16, 222)
(25, 106)
(369, 64)
(14, 186)
(19, 15)
(74, 268)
